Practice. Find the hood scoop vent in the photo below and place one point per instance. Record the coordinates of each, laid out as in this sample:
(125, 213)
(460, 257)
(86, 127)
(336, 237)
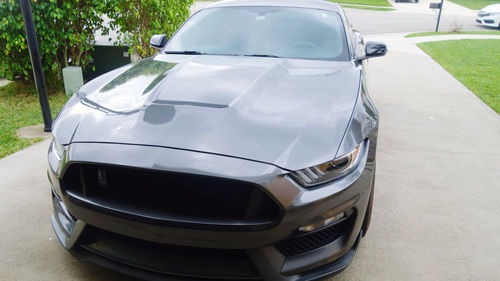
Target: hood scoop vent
(189, 103)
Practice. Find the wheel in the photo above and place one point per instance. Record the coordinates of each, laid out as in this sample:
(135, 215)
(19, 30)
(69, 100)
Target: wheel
(368, 214)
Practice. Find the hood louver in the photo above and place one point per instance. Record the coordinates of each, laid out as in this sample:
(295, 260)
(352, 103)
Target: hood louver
(190, 103)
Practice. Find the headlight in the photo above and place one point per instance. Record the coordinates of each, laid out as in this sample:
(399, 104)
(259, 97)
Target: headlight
(329, 171)
(57, 148)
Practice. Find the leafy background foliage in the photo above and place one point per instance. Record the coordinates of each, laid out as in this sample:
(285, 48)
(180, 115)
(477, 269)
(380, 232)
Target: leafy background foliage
(65, 31)
(138, 20)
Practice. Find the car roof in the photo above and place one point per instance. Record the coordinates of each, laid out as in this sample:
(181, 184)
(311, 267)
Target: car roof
(314, 4)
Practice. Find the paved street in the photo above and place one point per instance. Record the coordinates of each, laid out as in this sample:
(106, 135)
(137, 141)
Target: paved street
(375, 22)
(435, 215)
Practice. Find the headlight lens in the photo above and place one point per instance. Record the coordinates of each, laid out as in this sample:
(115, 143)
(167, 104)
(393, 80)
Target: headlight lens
(329, 171)
(57, 148)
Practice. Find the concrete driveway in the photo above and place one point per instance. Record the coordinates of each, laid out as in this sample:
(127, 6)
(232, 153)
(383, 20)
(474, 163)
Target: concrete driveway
(29, 249)
(436, 211)
(435, 217)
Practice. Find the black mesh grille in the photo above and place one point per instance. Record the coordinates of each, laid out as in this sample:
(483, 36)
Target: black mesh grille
(94, 233)
(171, 196)
(171, 260)
(305, 242)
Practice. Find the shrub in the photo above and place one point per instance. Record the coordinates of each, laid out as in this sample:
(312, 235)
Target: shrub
(66, 28)
(65, 32)
(138, 20)
(456, 27)
(14, 56)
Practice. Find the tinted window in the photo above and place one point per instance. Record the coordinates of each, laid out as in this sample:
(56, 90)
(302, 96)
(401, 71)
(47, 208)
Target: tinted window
(273, 31)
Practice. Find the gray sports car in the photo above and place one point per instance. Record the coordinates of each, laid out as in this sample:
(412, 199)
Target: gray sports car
(245, 149)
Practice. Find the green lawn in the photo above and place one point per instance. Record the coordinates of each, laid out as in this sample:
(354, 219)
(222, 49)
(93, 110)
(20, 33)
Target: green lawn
(420, 34)
(475, 4)
(473, 62)
(19, 107)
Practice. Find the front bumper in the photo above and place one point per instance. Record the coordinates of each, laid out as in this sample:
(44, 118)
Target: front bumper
(489, 21)
(130, 246)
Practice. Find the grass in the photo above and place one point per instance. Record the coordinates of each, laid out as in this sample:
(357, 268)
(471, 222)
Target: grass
(19, 107)
(421, 34)
(367, 8)
(475, 4)
(473, 62)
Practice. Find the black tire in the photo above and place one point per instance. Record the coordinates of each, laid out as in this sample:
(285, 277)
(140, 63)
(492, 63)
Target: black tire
(368, 213)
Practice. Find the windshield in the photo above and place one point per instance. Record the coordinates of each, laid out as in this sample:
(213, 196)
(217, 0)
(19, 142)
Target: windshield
(263, 31)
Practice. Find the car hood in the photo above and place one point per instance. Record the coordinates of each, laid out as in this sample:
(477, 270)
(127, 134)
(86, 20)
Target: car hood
(495, 8)
(289, 113)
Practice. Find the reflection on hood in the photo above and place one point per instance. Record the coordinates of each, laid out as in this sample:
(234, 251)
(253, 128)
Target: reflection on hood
(129, 90)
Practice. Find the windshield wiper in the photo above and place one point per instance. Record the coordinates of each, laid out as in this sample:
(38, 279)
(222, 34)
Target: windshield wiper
(262, 56)
(184, 52)
(187, 52)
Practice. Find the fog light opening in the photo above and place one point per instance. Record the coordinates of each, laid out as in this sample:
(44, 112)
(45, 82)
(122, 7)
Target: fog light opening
(323, 221)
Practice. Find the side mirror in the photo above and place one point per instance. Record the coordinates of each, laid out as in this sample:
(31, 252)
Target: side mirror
(373, 49)
(158, 41)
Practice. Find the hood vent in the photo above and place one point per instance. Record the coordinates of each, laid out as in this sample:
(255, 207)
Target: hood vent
(190, 103)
